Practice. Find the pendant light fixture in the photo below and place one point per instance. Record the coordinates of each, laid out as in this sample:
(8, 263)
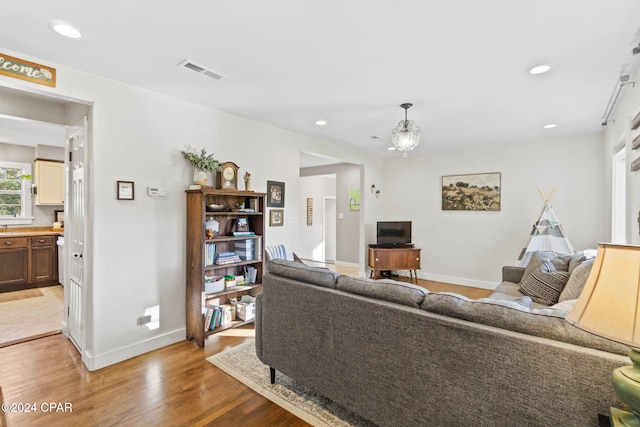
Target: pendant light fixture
(406, 136)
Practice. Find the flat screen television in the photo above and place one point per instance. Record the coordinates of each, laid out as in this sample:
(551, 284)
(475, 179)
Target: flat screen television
(393, 233)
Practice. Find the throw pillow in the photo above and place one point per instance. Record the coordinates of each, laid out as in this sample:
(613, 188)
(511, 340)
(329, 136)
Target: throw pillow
(537, 258)
(545, 284)
(576, 282)
(561, 262)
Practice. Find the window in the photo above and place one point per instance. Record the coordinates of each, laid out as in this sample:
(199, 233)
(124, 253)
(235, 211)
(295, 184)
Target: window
(15, 193)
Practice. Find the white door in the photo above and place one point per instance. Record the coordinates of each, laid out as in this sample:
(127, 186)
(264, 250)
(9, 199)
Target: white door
(329, 228)
(619, 191)
(74, 231)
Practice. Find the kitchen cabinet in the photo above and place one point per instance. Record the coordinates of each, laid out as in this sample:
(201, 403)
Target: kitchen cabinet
(28, 262)
(48, 177)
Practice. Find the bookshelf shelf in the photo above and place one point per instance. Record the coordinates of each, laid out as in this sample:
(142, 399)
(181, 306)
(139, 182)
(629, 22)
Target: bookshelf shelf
(201, 252)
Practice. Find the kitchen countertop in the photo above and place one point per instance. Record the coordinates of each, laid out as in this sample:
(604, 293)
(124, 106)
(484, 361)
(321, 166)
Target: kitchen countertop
(31, 232)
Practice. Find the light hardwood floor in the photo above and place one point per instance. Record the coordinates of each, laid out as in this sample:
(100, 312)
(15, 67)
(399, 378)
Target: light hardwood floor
(172, 386)
(30, 314)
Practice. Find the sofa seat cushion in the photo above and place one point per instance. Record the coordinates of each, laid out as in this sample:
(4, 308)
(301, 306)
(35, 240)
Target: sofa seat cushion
(387, 290)
(299, 271)
(510, 291)
(541, 322)
(545, 284)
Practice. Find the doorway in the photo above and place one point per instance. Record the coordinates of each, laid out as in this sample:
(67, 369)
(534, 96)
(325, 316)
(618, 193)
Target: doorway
(33, 115)
(619, 197)
(329, 229)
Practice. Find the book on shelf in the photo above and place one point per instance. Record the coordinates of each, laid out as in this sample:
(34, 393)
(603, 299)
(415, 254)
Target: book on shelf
(208, 317)
(209, 253)
(227, 258)
(246, 210)
(200, 187)
(245, 249)
(214, 320)
(243, 233)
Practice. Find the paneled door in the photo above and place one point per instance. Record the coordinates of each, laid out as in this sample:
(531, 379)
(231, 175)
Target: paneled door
(75, 211)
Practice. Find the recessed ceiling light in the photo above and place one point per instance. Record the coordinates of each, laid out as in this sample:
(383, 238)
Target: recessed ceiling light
(539, 69)
(321, 122)
(65, 30)
(391, 148)
(549, 125)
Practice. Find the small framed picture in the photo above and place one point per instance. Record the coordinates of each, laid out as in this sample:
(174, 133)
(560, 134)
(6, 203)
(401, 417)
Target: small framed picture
(125, 190)
(242, 224)
(276, 217)
(58, 216)
(275, 194)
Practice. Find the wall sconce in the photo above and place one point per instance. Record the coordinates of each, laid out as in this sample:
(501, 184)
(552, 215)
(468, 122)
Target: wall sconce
(378, 192)
(373, 188)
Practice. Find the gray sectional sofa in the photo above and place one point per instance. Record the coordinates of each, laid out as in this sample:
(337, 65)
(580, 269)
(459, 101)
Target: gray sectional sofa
(399, 355)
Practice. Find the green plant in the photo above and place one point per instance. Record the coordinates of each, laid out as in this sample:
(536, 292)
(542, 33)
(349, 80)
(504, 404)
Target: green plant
(202, 161)
(229, 277)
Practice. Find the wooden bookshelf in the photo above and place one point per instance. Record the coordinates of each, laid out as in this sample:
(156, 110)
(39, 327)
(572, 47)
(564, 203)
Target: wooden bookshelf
(228, 205)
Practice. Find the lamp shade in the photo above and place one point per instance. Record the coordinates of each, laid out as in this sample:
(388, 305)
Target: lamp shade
(609, 303)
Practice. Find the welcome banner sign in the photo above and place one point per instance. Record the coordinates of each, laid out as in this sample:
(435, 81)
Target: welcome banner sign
(26, 70)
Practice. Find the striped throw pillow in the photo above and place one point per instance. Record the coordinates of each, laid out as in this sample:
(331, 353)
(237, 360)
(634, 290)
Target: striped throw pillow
(545, 284)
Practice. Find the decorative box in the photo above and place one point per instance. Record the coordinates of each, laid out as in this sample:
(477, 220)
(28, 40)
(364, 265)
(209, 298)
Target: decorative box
(213, 284)
(246, 311)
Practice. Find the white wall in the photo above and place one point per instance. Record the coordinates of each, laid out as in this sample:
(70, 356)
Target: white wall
(138, 247)
(619, 134)
(470, 247)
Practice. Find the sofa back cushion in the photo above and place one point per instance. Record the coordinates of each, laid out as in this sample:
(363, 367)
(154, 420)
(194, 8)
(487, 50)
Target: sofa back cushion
(299, 271)
(387, 290)
(576, 282)
(542, 322)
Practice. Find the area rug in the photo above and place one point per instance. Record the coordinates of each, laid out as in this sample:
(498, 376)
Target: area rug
(18, 295)
(242, 363)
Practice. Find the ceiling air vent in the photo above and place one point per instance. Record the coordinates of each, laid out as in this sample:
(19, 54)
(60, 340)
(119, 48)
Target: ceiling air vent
(187, 63)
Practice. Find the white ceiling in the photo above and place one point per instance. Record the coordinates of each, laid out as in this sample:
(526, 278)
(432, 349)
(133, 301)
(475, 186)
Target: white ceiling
(463, 64)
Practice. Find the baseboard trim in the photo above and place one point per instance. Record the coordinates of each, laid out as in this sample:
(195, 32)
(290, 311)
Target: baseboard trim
(458, 281)
(95, 362)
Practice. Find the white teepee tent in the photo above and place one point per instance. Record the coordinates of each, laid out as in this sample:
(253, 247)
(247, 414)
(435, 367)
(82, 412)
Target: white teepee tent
(547, 233)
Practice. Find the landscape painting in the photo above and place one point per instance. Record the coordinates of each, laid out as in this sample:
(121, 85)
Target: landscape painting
(474, 192)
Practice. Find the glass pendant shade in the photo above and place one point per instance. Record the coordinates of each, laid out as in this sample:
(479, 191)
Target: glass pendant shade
(406, 136)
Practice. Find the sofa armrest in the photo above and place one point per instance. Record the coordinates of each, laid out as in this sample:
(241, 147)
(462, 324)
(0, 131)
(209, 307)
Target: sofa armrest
(258, 325)
(512, 274)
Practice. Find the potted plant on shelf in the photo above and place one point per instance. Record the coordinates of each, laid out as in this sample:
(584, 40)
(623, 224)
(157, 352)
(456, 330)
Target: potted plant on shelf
(202, 163)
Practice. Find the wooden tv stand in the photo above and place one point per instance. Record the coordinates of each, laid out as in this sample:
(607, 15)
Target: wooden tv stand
(381, 258)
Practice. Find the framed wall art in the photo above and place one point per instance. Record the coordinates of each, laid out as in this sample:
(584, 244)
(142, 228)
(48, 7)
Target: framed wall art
(309, 211)
(125, 190)
(471, 192)
(276, 217)
(275, 194)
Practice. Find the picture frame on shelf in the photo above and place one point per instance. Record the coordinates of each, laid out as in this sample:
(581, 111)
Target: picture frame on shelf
(276, 217)
(471, 192)
(125, 190)
(275, 194)
(58, 216)
(242, 224)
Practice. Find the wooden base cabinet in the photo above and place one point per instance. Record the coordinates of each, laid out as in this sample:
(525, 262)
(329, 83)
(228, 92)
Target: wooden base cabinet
(28, 262)
(381, 259)
(233, 212)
